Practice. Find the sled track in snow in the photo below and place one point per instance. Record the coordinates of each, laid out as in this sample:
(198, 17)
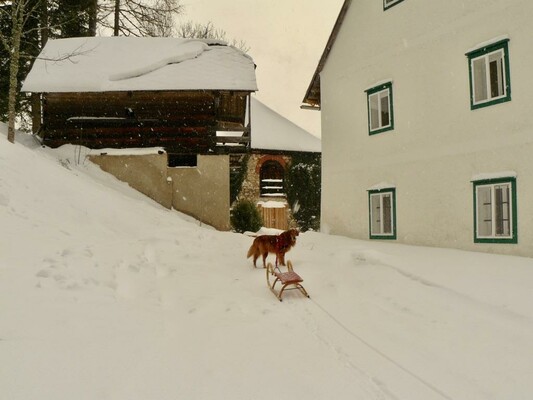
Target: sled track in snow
(380, 353)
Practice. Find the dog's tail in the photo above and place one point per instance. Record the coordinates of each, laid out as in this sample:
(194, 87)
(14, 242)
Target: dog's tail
(251, 251)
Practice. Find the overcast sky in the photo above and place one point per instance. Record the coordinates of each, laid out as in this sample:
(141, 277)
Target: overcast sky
(286, 39)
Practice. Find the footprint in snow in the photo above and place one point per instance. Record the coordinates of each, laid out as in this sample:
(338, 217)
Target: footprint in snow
(4, 199)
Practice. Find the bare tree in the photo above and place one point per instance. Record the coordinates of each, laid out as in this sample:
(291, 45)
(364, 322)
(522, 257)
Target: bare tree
(208, 31)
(139, 17)
(25, 32)
(93, 17)
(17, 12)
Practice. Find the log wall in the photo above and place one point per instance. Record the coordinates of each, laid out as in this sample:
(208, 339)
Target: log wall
(184, 121)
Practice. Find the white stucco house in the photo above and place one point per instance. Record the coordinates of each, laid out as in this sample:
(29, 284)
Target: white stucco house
(427, 123)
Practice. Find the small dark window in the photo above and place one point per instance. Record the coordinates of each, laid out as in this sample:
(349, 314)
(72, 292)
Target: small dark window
(272, 179)
(182, 160)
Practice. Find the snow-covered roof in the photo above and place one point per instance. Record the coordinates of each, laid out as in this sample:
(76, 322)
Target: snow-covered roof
(271, 131)
(94, 64)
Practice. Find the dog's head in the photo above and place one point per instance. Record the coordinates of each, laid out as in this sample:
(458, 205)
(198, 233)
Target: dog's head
(292, 233)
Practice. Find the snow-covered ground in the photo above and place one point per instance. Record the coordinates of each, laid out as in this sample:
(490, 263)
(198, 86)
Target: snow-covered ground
(104, 294)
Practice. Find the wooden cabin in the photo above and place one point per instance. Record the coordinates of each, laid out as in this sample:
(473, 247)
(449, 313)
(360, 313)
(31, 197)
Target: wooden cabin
(122, 92)
(186, 100)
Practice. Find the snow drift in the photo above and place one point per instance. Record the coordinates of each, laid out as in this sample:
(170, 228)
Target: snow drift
(106, 295)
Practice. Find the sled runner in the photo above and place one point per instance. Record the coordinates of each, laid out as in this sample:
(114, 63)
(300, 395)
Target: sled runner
(289, 280)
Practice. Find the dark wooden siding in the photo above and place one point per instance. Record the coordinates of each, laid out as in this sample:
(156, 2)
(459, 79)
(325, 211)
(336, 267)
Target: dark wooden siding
(184, 121)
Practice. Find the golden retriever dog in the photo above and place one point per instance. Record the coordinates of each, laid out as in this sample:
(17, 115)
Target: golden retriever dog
(277, 244)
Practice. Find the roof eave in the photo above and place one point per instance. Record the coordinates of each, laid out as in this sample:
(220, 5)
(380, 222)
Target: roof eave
(312, 96)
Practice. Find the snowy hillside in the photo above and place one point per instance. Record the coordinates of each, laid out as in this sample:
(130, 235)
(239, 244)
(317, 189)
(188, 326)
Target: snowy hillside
(104, 294)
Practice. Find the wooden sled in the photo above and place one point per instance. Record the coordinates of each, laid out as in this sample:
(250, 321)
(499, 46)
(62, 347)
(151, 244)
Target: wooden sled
(289, 280)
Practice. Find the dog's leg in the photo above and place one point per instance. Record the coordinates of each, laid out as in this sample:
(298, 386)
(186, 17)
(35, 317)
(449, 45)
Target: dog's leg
(265, 254)
(256, 256)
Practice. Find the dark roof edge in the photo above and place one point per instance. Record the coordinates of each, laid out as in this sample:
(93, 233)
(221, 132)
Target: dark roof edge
(315, 81)
(283, 152)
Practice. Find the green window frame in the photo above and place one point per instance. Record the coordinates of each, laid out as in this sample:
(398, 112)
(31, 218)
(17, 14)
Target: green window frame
(380, 108)
(489, 72)
(390, 3)
(495, 211)
(382, 214)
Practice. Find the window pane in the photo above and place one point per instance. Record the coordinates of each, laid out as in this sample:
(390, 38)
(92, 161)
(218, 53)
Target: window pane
(373, 103)
(385, 119)
(375, 220)
(484, 211)
(387, 214)
(494, 86)
(502, 210)
(496, 74)
(480, 79)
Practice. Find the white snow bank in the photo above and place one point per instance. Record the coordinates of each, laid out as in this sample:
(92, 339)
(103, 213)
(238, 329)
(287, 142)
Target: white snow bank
(104, 294)
(141, 151)
(272, 204)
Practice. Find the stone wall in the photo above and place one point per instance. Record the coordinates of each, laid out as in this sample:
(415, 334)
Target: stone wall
(251, 186)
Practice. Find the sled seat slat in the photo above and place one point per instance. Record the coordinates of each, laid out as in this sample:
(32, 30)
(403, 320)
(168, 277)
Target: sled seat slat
(289, 280)
(289, 277)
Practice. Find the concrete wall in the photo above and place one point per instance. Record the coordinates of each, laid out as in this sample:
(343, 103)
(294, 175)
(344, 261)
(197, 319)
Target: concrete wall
(202, 191)
(438, 143)
(145, 173)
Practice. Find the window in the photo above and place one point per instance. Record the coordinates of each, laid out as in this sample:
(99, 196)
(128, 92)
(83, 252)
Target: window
(495, 211)
(380, 113)
(489, 75)
(181, 160)
(390, 3)
(272, 179)
(382, 205)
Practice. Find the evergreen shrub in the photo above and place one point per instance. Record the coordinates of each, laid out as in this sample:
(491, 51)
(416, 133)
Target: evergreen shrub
(303, 190)
(245, 217)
